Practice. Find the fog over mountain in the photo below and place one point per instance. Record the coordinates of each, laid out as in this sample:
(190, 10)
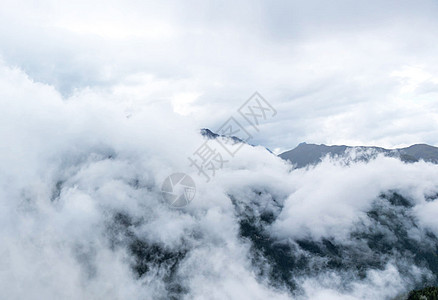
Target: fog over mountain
(310, 154)
(104, 103)
(82, 215)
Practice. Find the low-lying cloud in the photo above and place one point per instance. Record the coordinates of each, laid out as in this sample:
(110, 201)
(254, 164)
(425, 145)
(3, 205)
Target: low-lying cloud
(82, 217)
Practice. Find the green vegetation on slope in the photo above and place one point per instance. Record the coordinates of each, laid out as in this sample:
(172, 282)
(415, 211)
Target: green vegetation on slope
(429, 293)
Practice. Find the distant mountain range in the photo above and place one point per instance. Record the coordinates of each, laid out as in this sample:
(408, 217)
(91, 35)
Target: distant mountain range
(310, 154)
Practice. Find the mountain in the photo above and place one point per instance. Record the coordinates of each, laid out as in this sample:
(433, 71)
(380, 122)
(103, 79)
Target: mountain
(207, 133)
(310, 154)
(212, 135)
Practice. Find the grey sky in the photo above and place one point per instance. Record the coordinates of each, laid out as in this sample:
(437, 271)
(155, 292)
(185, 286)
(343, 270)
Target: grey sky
(337, 72)
(100, 101)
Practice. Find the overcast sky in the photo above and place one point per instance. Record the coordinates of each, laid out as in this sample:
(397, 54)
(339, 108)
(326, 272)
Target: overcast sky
(100, 101)
(338, 72)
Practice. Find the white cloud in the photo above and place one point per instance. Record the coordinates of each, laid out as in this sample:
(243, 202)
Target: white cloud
(99, 102)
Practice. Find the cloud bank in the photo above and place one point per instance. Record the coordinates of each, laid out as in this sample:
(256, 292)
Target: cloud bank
(82, 216)
(101, 101)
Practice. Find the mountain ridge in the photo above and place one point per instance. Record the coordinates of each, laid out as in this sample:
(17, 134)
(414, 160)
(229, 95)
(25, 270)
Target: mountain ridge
(310, 154)
(306, 154)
